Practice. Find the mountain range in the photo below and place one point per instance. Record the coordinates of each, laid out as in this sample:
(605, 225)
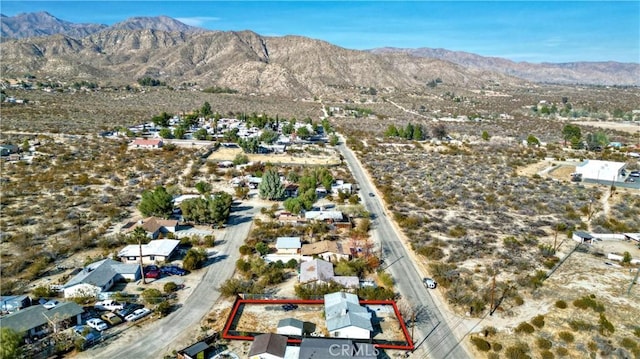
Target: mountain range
(166, 49)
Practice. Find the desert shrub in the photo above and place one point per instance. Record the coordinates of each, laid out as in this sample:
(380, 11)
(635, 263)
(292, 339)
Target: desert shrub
(629, 343)
(385, 278)
(488, 331)
(525, 327)
(636, 332)
(606, 327)
(170, 287)
(543, 343)
(593, 346)
(545, 354)
(431, 252)
(496, 346)
(566, 337)
(152, 296)
(561, 304)
(493, 356)
(163, 308)
(561, 351)
(538, 321)
(43, 292)
(518, 299)
(518, 351)
(589, 302)
(578, 324)
(481, 344)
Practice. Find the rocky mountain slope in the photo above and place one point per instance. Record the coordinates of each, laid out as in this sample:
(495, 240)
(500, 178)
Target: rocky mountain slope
(43, 24)
(599, 73)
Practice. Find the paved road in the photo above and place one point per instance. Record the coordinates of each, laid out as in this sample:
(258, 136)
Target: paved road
(156, 338)
(440, 341)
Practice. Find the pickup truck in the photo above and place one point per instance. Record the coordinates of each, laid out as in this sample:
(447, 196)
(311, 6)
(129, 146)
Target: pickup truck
(109, 305)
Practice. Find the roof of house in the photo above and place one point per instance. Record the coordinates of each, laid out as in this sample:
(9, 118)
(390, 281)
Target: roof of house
(319, 348)
(143, 142)
(153, 224)
(273, 344)
(196, 348)
(157, 247)
(101, 272)
(324, 215)
(37, 315)
(344, 310)
(596, 165)
(315, 270)
(288, 242)
(583, 234)
(291, 322)
(322, 247)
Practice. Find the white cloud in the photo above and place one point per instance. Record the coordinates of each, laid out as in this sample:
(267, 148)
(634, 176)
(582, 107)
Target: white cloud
(197, 20)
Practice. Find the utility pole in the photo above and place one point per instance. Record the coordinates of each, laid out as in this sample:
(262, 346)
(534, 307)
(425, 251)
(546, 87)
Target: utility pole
(493, 292)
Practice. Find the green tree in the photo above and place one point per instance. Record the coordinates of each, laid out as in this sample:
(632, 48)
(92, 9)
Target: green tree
(203, 187)
(418, 133)
(391, 131)
(598, 139)
(205, 110)
(179, 132)
(201, 134)
(262, 248)
(163, 308)
(333, 140)
(170, 287)
(303, 132)
(571, 133)
(213, 209)
(165, 133)
(533, 141)
(240, 159)
(152, 296)
(157, 203)
(269, 136)
(194, 259)
(485, 135)
(271, 188)
(161, 120)
(10, 343)
(293, 205)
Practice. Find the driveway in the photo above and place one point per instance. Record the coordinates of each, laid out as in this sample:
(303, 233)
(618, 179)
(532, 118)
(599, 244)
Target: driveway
(156, 339)
(433, 336)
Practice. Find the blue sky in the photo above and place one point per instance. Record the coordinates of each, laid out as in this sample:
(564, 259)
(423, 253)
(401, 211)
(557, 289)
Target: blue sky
(533, 31)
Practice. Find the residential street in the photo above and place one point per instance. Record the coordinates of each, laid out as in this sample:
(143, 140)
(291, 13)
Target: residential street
(440, 340)
(155, 339)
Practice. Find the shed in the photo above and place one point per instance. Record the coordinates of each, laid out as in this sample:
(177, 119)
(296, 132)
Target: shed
(196, 351)
(582, 237)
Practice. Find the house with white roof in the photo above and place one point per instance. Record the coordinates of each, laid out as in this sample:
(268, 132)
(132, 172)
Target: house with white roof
(601, 170)
(158, 250)
(345, 317)
(288, 245)
(99, 277)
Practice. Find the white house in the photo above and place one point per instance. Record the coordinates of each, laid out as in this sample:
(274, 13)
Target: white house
(268, 346)
(290, 326)
(288, 245)
(345, 317)
(601, 170)
(158, 250)
(99, 277)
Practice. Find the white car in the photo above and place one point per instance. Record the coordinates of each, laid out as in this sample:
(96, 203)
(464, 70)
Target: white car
(109, 305)
(51, 304)
(429, 283)
(97, 324)
(137, 314)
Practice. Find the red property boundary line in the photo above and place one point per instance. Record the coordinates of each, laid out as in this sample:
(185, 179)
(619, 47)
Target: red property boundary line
(239, 301)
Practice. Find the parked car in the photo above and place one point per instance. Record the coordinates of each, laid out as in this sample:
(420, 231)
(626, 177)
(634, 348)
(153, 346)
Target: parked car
(97, 324)
(173, 270)
(129, 308)
(152, 272)
(51, 304)
(108, 304)
(634, 174)
(371, 194)
(288, 307)
(89, 334)
(137, 314)
(429, 283)
(111, 318)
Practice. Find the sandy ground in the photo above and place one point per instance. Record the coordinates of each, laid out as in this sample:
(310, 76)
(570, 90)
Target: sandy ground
(228, 154)
(619, 126)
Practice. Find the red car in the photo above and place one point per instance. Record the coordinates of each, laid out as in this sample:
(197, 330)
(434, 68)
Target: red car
(152, 272)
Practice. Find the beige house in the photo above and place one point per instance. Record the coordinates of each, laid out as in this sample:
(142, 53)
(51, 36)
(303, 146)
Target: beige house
(330, 251)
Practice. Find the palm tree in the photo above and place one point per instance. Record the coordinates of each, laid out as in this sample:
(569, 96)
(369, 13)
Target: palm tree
(139, 234)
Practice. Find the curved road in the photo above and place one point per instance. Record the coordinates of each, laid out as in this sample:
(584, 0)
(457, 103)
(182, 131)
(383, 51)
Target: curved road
(154, 339)
(432, 336)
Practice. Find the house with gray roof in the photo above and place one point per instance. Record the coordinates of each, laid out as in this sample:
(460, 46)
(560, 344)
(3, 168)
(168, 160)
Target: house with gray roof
(158, 250)
(293, 326)
(316, 271)
(345, 317)
(268, 346)
(99, 277)
(38, 321)
(330, 348)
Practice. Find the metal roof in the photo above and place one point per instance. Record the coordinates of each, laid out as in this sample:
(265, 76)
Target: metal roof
(344, 310)
(158, 247)
(101, 272)
(270, 343)
(37, 315)
(288, 242)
